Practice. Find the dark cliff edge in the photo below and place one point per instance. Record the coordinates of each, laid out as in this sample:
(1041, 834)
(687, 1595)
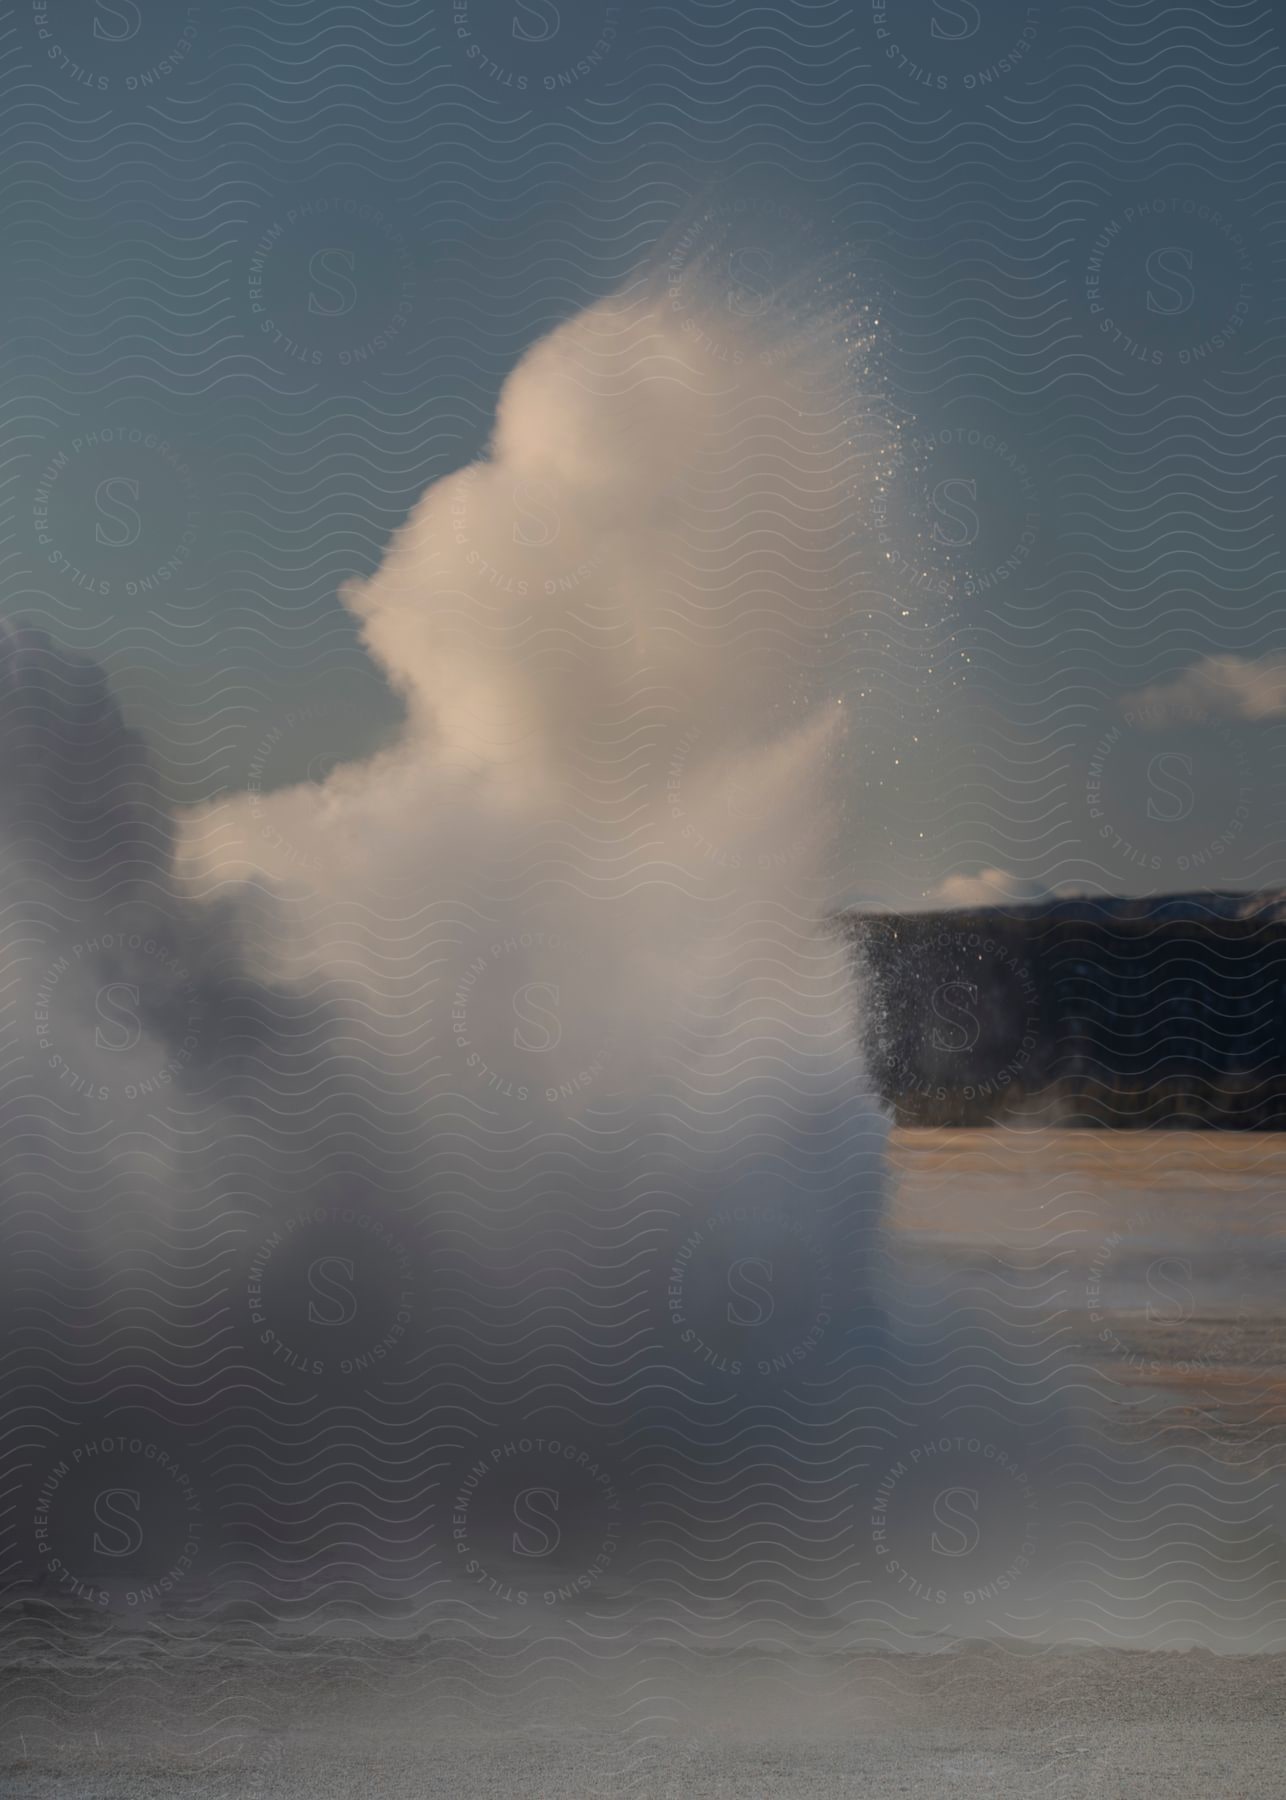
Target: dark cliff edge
(1111, 1012)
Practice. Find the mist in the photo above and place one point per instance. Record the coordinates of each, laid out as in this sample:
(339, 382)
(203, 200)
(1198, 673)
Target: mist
(505, 1082)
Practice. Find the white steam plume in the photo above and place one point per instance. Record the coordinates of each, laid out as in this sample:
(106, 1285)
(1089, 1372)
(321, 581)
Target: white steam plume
(588, 887)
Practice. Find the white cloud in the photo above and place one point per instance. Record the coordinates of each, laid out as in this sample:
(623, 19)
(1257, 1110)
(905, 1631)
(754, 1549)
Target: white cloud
(1217, 687)
(988, 887)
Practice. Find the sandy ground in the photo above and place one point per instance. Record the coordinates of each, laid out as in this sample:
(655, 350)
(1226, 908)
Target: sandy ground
(1156, 1258)
(1158, 1261)
(979, 1721)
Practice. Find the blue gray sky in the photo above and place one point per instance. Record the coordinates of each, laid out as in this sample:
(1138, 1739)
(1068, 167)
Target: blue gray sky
(268, 266)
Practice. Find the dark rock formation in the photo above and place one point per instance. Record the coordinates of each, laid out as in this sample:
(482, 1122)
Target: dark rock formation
(1163, 1011)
